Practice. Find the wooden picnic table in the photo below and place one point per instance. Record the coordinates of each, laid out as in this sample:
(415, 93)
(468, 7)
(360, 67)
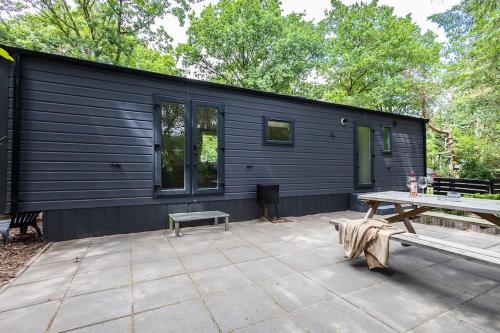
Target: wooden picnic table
(484, 208)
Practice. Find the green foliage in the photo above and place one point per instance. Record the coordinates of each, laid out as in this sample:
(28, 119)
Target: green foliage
(490, 196)
(209, 149)
(360, 54)
(375, 59)
(472, 79)
(111, 31)
(249, 43)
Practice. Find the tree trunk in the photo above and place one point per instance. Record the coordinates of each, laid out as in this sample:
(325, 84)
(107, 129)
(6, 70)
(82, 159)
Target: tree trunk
(450, 141)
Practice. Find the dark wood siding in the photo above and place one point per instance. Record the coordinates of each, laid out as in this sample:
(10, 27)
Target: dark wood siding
(77, 120)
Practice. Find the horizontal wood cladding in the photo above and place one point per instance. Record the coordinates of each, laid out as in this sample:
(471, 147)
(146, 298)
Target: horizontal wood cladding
(101, 221)
(87, 141)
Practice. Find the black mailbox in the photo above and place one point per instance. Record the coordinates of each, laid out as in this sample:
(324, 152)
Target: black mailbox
(268, 194)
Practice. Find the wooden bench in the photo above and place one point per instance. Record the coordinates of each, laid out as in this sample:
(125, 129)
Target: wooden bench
(481, 256)
(457, 220)
(20, 220)
(196, 216)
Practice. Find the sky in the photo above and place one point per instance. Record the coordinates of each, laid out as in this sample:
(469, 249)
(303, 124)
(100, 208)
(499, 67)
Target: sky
(315, 9)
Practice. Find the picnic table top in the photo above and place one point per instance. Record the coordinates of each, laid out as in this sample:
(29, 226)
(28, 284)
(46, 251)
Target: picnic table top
(435, 201)
(180, 217)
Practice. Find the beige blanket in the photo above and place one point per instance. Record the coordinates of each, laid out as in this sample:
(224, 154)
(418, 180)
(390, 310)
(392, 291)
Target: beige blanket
(369, 236)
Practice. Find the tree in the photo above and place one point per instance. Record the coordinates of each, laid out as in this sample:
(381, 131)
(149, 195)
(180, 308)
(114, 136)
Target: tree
(249, 43)
(375, 59)
(111, 31)
(472, 79)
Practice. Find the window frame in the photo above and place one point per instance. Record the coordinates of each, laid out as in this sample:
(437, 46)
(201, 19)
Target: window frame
(357, 185)
(386, 152)
(266, 141)
(190, 188)
(220, 149)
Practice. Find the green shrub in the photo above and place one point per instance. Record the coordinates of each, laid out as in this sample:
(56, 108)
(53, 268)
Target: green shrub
(495, 196)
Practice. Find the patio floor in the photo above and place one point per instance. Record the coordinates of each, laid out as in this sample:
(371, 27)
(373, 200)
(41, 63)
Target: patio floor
(258, 277)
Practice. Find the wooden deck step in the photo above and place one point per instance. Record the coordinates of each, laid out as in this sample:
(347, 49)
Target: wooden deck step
(469, 253)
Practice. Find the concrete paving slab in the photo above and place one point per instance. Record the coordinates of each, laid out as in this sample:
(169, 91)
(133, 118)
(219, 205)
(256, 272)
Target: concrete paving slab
(59, 255)
(33, 293)
(84, 283)
(156, 293)
(92, 308)
(244, 253)
(238, 308)
(296, 291)
(312, 259)
(156, 269)
(488, 272)
(474, 240)
(153, 253)
(421, 290)
(405, 263)
(265, 269)
(228, 242)
(494, 248)
(336, 315)
(467, 282)
(446, 324)
(274, 325)
(184, 249)
(343, 278)
(120, 325)
(47, 271)
(189, 316)
(28, 319)
(278, 248)
(106, 261)
(423, 299)
(108, 246)
(218, 279)
(480, 312)
(202, 261)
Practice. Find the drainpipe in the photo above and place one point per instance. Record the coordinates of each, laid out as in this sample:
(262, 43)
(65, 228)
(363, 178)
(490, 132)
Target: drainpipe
(16, 136)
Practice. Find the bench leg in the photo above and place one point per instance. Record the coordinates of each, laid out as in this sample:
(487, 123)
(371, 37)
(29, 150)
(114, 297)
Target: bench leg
(372, 210)
(170, 223)
(5, 235)
(216, 221)
(177, 233)
(23, 229)
(406, 220)
(38, 231)
(226, 224)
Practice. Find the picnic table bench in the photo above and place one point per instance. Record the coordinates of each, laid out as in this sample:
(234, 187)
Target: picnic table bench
(469, 253)
(196, 216)
(484, 208)
(21, 220)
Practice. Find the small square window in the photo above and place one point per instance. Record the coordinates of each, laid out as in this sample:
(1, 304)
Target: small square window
(278, 131)
(386, 139)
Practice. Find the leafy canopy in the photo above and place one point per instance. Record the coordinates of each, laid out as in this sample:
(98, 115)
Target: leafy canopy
(373, 58)
(472, 79)
(111, 31)
(249, 43)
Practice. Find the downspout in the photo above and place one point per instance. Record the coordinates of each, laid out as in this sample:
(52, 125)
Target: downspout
(16, 135)
(424, 133)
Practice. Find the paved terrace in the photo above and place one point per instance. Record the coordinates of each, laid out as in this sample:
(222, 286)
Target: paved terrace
(258, 277)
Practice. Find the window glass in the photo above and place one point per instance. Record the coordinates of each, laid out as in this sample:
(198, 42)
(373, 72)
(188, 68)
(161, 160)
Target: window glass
(173, 134)
(278, 131)
(386, 136)
(206, 150)
(364, 155)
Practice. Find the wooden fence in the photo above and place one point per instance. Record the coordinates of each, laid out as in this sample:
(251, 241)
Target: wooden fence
(465, 186)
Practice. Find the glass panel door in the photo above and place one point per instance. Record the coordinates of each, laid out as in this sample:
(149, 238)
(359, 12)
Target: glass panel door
(174, 145)
(207, 147)
(364, 155)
